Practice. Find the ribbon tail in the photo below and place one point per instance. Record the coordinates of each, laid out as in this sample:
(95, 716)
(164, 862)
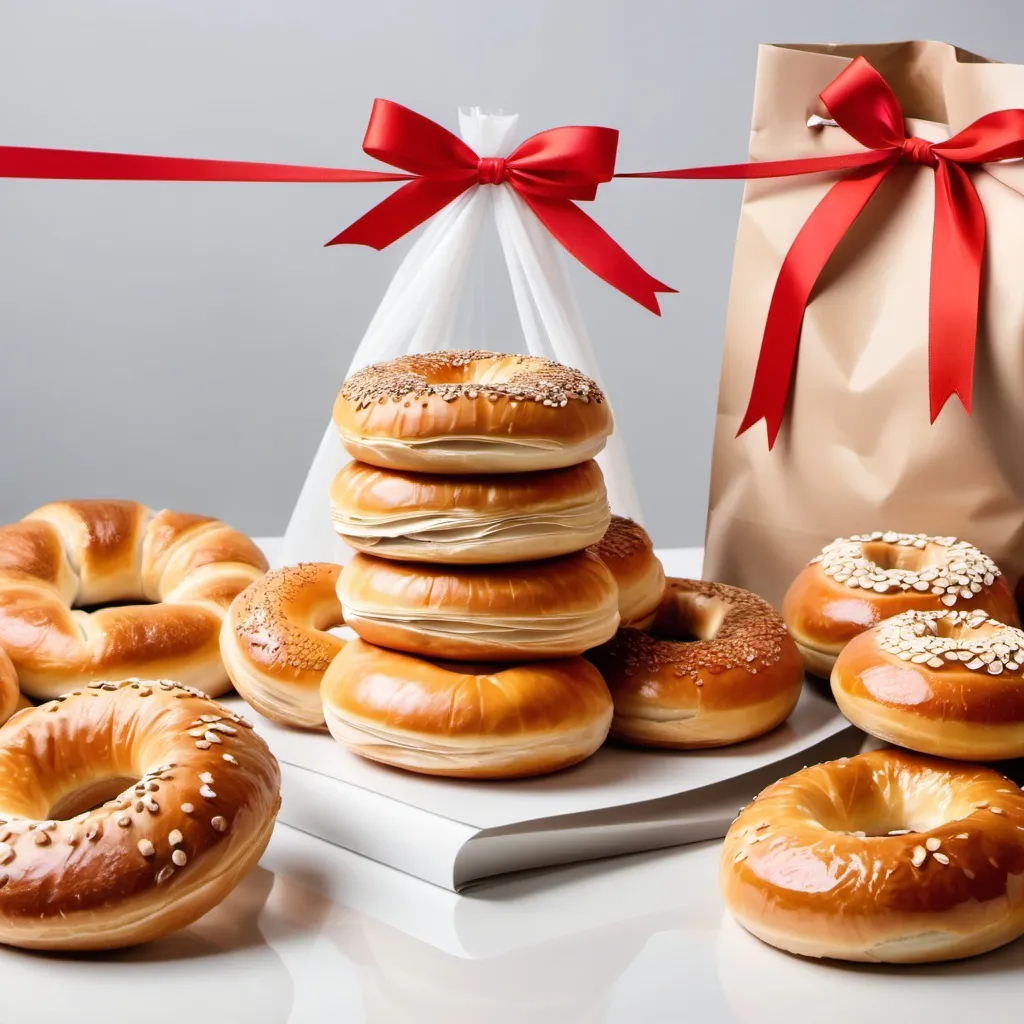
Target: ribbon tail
(406, 208)
(807, 257)
(958, 247)
(85, 165)
(582, 237)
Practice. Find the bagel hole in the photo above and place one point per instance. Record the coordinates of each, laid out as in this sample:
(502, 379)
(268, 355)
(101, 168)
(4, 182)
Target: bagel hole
(685, 617)
(88, 797)
(899, 556)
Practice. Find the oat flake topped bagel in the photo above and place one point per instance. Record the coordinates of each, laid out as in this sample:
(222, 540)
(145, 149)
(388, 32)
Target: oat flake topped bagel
(718, 667)
(886, 857)
(183, 797)
(471, 412)
(949, 683)
(857, 581)
(178, 573)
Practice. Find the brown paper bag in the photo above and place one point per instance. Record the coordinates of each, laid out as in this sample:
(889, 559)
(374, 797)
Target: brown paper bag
(857, 452)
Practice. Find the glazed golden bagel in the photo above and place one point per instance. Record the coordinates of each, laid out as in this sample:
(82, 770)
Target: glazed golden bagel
(949, 683)
(628, 552)
(471, 412)
(887, 856)
(127, 811)
(10, 695)
(521, 612)
(718, 667)
(275, 643)
(475, 721)
(858, 581)
(472, 520)
(179, 572)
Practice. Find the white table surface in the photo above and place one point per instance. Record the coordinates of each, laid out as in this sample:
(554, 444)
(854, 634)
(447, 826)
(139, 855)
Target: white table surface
(316, 933)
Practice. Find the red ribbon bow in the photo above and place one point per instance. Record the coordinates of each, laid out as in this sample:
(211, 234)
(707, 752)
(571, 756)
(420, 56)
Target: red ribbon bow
(548, 172)
(862, 103)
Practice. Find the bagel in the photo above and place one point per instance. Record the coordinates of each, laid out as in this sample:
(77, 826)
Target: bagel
(628, 552)
(473, 721)
(856, 582)
(884, 857)
(471, 412)
(515, 517)
(718, 667)
(949, 683)
(520, 612)
(275, 645)
(76, 555)
(127, 811)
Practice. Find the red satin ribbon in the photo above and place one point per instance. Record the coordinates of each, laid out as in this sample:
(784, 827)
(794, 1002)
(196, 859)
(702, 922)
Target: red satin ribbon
(549, 172)
(862, 103)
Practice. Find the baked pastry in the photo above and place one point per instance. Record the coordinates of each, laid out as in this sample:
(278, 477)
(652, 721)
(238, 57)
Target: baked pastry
(471, 412)
(949, 683)
(518, 612)
(858, 581)
(628, 552)
(127, 811)
(717, 667)
(472, 520)
(175, 574)
(885, 857)
(474, 721)
(10, 695)
(275, 643)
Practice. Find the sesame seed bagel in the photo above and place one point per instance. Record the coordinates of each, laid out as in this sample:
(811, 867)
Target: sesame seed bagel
(483, 519)
(10, 695)
(519, 612)
(471, 412)
(949, 683)
(183, 797)
(275, 643)
(628, 552)
(856, 582)
(466, 720)
(885, 857)
(170, 575)
(718, 667)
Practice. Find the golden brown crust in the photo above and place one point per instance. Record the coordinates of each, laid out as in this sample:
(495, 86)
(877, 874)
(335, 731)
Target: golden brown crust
(275, 645)
(717, 668)
(67, 555)
(887, 856)
(474, 721)
(471, 412)
(470, 520)
(945, 683)
(150, 859)
(628, 552)
(10, 695)
(845, 590)
(538, 610)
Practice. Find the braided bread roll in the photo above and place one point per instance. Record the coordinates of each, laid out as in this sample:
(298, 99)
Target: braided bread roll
(171, 574)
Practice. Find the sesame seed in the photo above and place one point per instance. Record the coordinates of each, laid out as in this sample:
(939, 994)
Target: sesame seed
(219, 823)
(207, 793)
(996, 810)
(918, 855)
(961, 835)
(175, 838)
(163, 874)
(179, 857)
(42, 838)
(94, 833)
(229, 758)
(931, 844)
(187, 808)
(203, 744)
(124, 821)
(206, 777)
(146, 848)
(941, 858)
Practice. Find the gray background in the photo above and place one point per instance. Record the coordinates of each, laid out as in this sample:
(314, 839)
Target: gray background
(182, 344)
